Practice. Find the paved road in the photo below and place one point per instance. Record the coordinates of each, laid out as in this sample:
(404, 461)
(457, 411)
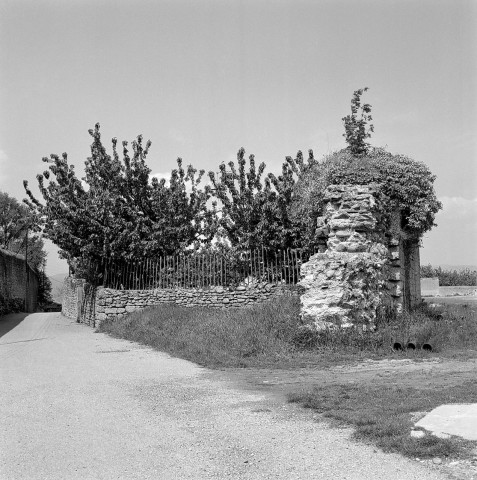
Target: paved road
(75, 404)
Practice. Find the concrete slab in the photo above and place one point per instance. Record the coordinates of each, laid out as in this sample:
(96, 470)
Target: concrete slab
(457, 419)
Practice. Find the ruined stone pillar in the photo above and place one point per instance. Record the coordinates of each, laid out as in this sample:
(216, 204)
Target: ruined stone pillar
(345, 284)
(411, 273)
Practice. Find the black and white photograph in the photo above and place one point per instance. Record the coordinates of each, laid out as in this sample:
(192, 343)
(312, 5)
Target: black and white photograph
(238, 239)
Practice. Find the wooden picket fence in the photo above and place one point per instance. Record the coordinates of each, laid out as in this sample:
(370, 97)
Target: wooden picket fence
(203, 270)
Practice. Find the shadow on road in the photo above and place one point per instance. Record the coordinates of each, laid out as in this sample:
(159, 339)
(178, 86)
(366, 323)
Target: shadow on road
(10, 321)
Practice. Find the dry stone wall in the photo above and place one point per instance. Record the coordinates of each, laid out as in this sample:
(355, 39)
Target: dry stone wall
(73, 292)
(361, 268)
(110, 303)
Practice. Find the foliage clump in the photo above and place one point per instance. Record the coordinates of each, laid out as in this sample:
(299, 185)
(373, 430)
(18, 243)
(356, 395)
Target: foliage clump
(407, 183)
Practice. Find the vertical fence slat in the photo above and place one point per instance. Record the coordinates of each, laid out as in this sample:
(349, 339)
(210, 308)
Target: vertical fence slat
(214, 264)
(225, 272)
(290, 262)
(135, 274)
(125, 275)
(168, 269)
(203, 271)
(160, 273)
(146, 275)
(174, 273)
(196, 271)
(266, 266)
(259, 266)
(140, 275)
(188, 272)
(249, 264)
(293, 255)
(221, 270)
(131, 275)
(156, 272)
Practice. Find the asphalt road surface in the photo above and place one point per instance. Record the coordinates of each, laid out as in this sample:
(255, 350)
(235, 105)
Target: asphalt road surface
(75, 404)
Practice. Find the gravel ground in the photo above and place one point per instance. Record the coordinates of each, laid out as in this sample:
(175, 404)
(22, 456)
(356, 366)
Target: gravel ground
(75, 404)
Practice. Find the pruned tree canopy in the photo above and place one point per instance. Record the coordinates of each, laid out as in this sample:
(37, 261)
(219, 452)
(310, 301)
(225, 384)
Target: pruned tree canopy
(115, 211)
(254, 209)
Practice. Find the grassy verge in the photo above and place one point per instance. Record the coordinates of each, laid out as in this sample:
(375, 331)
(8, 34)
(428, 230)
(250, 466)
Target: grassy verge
(268, 335)
(257, 335)
(382, 414)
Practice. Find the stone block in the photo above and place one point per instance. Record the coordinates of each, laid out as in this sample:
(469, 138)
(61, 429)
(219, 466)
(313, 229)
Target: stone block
(394, 256)
(394, 275)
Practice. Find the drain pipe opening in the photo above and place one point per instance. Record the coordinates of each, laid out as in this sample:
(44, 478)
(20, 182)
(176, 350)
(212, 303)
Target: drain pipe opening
(411, 345)
(397, 346)
(427, 347)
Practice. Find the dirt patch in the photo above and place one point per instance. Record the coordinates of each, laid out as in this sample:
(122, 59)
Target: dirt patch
(421, 374)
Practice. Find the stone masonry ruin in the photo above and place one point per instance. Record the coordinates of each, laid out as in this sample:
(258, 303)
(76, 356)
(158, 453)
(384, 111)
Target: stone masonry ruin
(363, 262)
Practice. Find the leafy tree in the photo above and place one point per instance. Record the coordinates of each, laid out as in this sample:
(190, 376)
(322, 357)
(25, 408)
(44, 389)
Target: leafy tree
(19, 228)
(357, 127)
(291, 231)
(116, 212)
(243, 199)
(15, 220)
(255, 210)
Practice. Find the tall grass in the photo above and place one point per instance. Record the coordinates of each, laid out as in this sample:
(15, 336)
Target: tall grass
(270, 334)
(232, 337)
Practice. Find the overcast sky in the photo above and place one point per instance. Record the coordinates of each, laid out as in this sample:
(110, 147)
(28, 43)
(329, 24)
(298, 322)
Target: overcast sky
(203, 78)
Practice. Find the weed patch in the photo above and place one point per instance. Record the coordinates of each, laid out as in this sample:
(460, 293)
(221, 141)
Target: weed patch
(381, 414)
